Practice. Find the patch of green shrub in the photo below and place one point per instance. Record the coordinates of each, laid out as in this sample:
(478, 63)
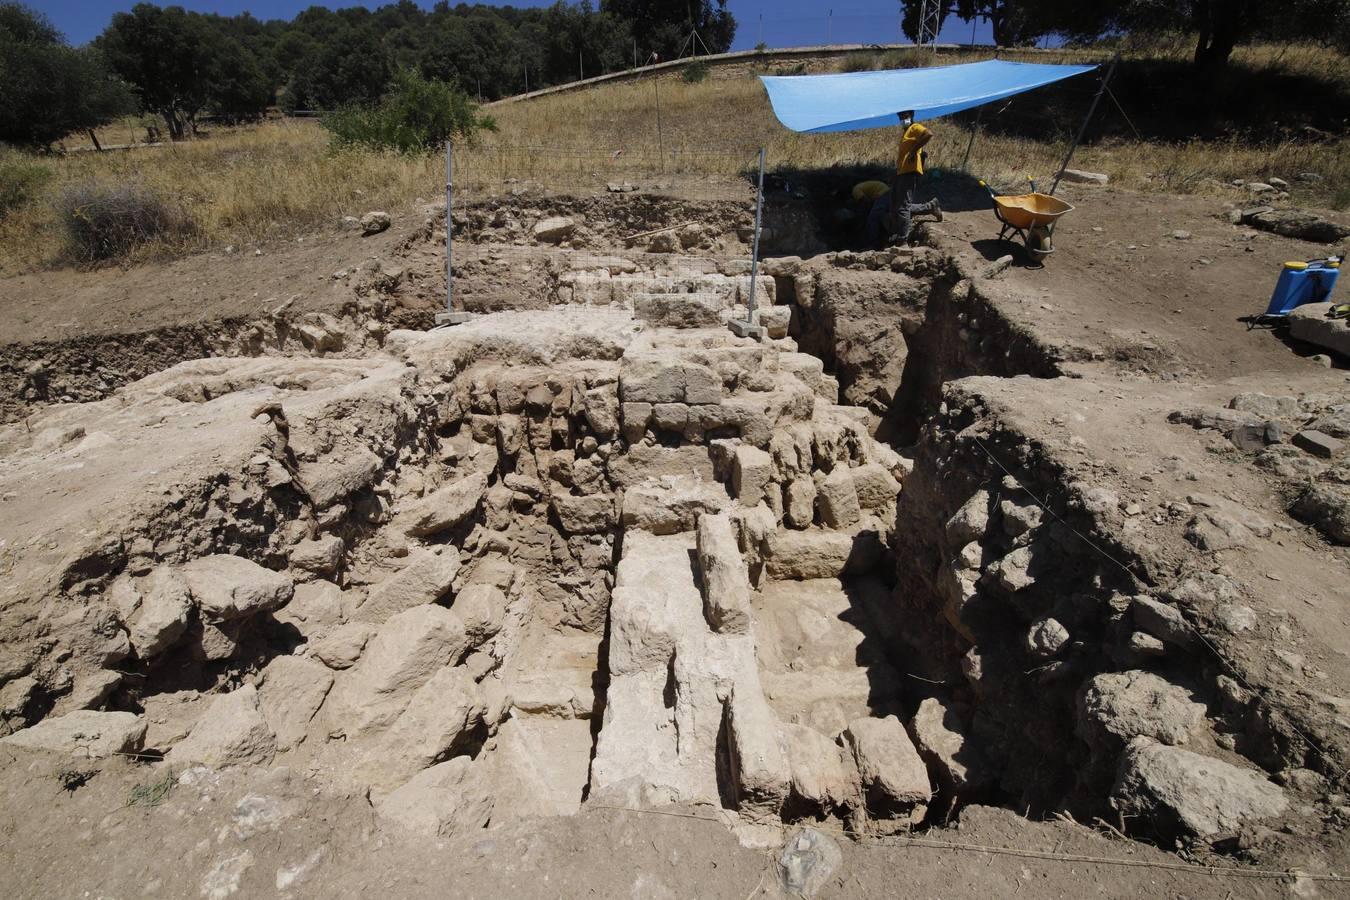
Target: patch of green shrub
(858, 62)
(418, 115)
(107, 223)
(695, 72)
(21, 178)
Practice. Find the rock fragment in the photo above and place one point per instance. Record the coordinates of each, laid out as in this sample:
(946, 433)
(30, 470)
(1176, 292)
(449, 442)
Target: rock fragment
(232, 587)
(725, 582)
(894, 779)
(1183, 793)
(85, 733)
(231, 732)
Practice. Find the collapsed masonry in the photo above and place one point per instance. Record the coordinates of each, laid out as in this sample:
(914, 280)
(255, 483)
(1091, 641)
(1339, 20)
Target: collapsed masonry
(609, 554)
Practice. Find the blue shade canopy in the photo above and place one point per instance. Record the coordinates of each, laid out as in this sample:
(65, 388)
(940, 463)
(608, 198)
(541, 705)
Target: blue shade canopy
(857, 100)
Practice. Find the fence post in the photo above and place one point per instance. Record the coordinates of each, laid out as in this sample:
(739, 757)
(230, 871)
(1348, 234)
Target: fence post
(754, 257)
(660, 136)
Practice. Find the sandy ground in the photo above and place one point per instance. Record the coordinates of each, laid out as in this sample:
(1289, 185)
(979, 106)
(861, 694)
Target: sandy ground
(257, 835)
(1122, 289)
(69, 303)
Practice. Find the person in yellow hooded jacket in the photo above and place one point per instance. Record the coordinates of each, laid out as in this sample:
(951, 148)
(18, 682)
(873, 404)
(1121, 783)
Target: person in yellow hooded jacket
(908, 169)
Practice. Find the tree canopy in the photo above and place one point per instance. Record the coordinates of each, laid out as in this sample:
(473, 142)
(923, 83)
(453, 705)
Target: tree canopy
(1219, 26)
(48, 88)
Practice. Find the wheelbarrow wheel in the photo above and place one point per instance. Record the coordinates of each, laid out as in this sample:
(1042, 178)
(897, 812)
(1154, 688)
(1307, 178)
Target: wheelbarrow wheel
(1038, 243)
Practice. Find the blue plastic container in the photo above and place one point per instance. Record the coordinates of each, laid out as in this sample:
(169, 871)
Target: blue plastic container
(1303, 282)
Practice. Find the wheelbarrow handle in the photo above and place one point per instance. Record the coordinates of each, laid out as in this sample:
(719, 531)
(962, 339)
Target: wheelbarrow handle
(993, 198)
(1031, 182)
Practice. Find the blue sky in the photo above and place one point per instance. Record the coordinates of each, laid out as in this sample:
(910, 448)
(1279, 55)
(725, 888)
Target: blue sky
(779, 23)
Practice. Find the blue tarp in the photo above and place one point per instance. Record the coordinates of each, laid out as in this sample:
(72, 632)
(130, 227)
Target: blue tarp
(856, 100)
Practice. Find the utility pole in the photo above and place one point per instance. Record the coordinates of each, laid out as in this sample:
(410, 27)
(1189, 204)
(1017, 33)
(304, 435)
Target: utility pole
(829, 28)
(581, 67)
(761, 31)
(930, 21)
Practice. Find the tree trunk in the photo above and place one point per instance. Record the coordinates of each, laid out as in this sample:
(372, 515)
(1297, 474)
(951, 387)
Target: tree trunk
(93, 137)
(1218, 24)
(174, 123)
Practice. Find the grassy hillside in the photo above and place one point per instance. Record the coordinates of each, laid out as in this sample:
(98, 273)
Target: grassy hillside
(279, 180)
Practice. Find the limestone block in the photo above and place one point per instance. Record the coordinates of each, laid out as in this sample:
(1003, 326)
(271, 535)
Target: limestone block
(601, 406)
(893, 776)
(314, 607)
(941, 738)
(799, 502)
(163, 605)
(341, 647)
(84, 733)
(231, 732)
(1160, 620)
(1183, 793)
(232, 587)
(670, 416)
(330, 480)
(725, 582)
(400, 658)
(447, 506)
(970, 522)
(670, 505)
(820, 553)
(584, 515)
(1115, 707)
(699, 310)
(291, 692)
(875, 486)
(751, 473)
(759, 762)
(441, 715)
(426, 577)
(554, 229)
(837, 500)
(823, 774)
(319, 557)
(775, 320)
(444, 800)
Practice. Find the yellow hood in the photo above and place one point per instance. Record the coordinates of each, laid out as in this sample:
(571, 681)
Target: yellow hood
(915, 138)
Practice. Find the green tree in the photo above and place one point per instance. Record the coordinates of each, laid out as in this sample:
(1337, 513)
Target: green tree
(1013, 22)
(663, 26)
(1219, 26)
(49, 89)
(417, 116)
(164, 55)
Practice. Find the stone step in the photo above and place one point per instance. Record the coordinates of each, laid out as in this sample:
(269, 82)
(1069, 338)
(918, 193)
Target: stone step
(680, 693)
(821, 656)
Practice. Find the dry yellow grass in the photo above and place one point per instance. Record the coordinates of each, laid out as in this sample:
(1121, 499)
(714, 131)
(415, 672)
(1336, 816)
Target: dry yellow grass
(253, 184)
(241, 186)
(699, 122)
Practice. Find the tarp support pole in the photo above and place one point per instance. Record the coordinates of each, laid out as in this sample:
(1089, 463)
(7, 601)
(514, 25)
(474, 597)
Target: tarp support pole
(754, 257)
(450, 278)
(974, 130)
(1082, 129)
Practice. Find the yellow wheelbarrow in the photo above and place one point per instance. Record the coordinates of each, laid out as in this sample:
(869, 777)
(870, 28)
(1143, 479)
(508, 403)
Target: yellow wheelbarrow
(1029, 216)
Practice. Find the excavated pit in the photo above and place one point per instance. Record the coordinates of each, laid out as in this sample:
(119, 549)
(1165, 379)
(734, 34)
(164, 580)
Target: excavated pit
(607, 552)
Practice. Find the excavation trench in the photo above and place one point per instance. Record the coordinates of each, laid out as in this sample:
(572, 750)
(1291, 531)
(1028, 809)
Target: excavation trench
(607, 552)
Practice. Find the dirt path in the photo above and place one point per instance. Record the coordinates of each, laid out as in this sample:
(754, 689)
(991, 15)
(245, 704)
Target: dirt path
(63, 304)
